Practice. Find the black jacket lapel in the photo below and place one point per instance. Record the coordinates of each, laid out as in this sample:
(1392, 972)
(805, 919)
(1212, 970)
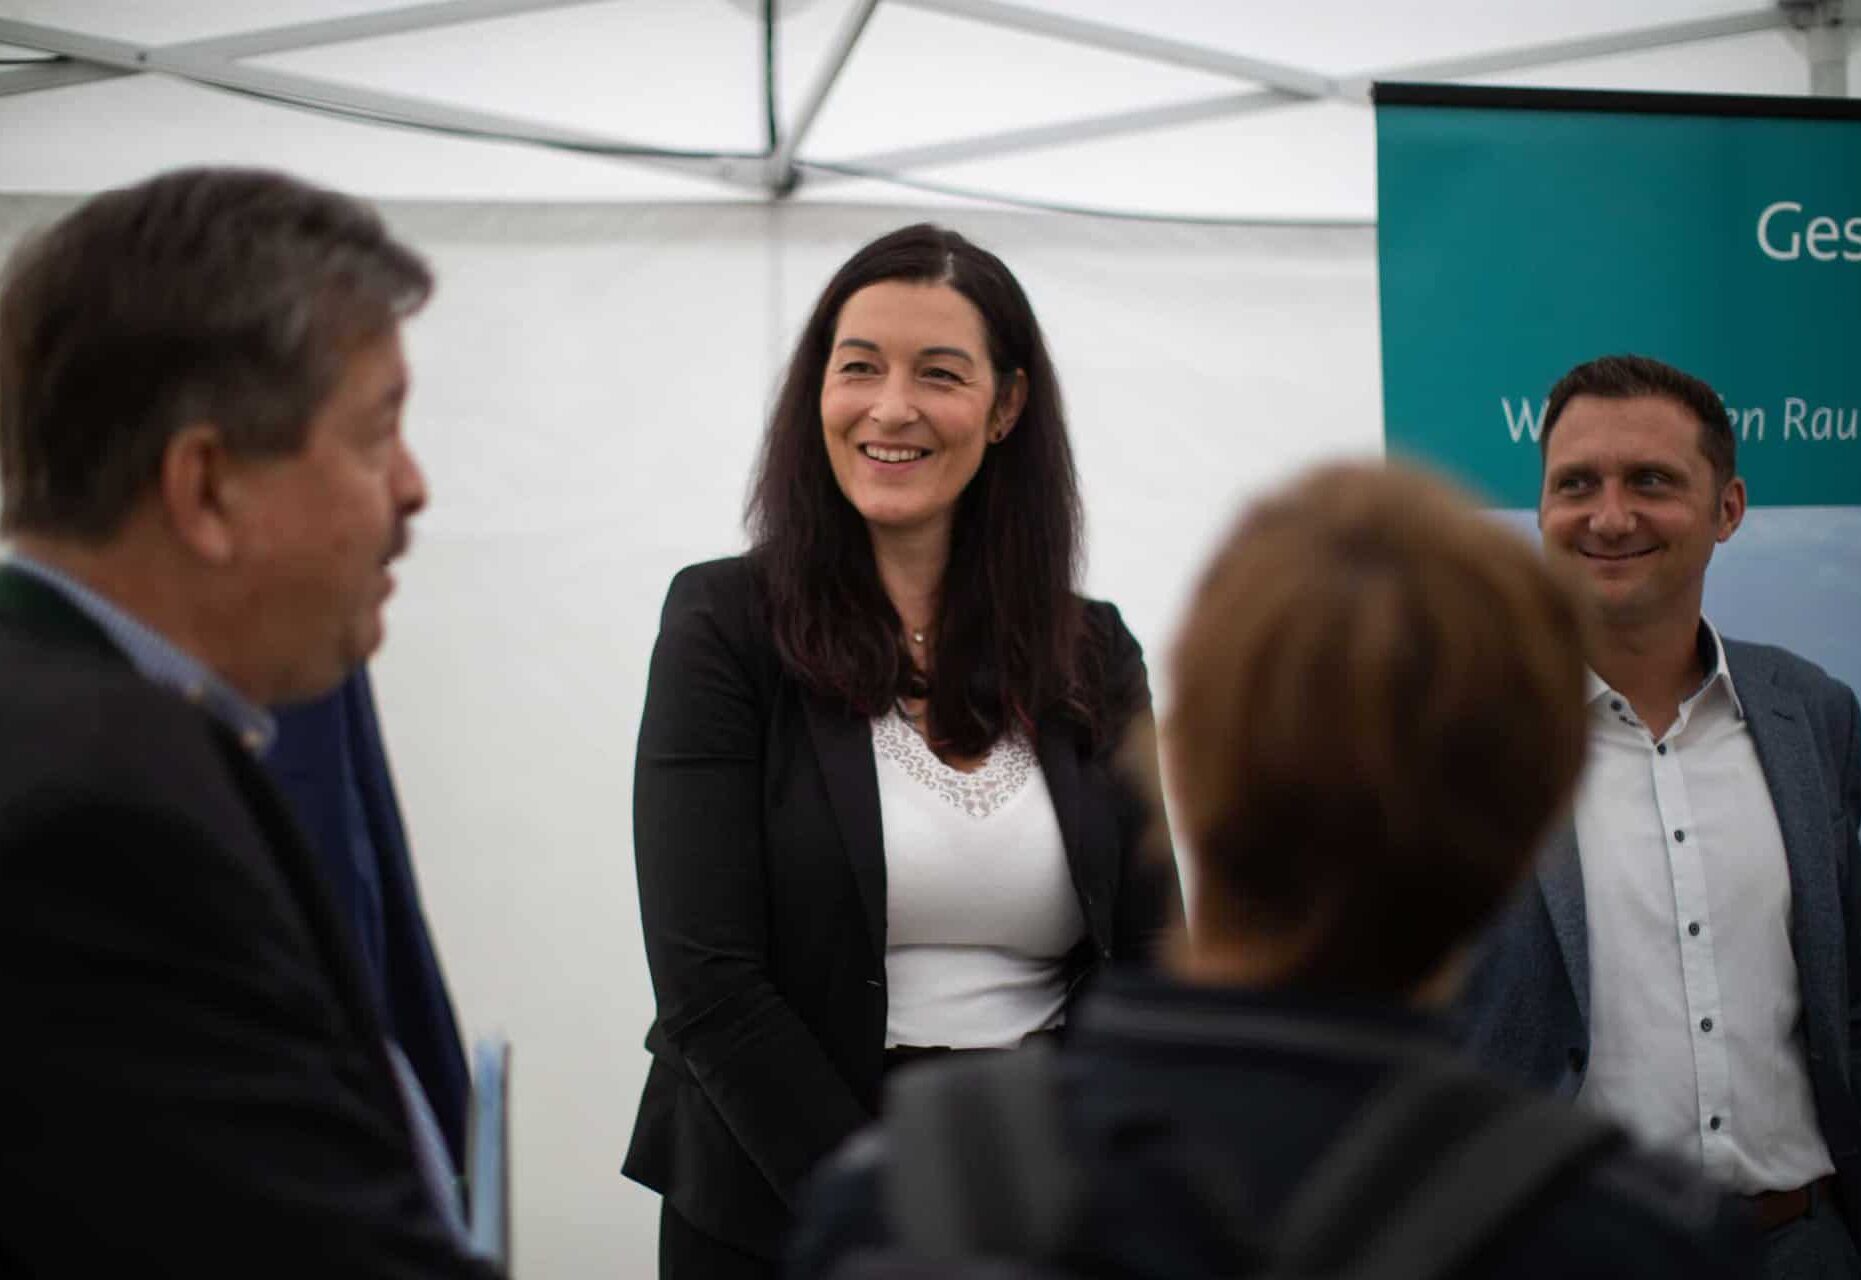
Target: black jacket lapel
(1089, 854)
(843, 744)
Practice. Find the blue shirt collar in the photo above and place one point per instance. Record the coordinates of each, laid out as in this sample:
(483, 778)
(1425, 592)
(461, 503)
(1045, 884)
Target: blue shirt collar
(159, 661)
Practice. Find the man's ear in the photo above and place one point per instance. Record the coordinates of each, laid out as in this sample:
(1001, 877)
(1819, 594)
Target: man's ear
(196, 486)
(1732, 499)
(1008, 408)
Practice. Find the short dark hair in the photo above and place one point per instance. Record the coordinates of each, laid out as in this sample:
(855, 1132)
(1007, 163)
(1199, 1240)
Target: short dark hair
(1624, 377)
(1377, 709)
(1008, 634)
(223, 295)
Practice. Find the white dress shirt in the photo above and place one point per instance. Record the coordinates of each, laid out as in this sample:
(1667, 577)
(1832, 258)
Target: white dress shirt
(980, 909)
(1695, 1037)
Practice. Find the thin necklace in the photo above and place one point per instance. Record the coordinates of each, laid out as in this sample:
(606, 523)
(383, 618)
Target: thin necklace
(915, 719)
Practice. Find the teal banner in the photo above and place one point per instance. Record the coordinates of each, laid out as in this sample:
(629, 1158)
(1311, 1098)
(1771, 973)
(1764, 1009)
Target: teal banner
(1522, 232)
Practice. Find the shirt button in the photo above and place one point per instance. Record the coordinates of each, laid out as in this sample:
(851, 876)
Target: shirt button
(1661, 748)
(1615, 704)
(1714, 1123)
(1693, 928)
(1705, 1024)
(1680, 837)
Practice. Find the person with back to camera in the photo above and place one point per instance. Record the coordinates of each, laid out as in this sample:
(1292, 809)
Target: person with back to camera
(1376, 715)
(874, 814)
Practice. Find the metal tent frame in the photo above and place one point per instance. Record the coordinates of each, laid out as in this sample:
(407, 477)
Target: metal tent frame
(74, 57)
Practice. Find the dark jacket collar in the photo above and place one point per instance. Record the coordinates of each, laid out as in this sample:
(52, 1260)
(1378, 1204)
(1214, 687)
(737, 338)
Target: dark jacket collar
(1130, 1008)
(39, 611)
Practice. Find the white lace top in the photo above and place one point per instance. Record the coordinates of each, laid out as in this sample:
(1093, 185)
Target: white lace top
(980, 906)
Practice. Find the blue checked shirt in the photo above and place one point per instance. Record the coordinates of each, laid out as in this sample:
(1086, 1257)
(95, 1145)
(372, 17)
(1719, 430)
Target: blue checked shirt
(150, 653)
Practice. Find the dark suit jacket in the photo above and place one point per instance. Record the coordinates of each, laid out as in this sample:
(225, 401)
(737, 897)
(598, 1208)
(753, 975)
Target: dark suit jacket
(1526, 1008)
(331, 764)
(193, 1074)
(762, 894)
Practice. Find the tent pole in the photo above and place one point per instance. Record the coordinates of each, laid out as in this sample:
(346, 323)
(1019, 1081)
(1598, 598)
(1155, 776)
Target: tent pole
(1353, 88)
(1099, 35)
(1663, 36)
(368, 104)
(363, 26)
(1066, 132)
(1827, 27)
(55, 74)
(296, 35)
(783, 175)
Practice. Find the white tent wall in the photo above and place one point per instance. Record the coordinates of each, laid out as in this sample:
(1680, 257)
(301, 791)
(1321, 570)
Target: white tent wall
(589, 388)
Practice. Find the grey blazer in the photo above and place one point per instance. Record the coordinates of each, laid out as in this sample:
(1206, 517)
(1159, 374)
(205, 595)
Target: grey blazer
(1526, 1006)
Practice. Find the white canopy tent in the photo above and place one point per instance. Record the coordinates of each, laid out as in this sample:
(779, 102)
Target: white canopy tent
(625, 248)
(1181, 107)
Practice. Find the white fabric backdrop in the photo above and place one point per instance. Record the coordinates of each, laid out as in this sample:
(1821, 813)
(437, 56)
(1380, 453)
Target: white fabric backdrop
(589, 387)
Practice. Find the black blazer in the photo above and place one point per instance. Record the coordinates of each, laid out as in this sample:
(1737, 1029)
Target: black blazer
(762, 895)
(192, 1073)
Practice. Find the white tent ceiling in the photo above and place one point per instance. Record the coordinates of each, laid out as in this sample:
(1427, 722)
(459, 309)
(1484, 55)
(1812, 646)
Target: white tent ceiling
(1202, 108)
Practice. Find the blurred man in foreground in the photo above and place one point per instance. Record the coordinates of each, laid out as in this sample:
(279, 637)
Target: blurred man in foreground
(1377, 712)
(205, 482)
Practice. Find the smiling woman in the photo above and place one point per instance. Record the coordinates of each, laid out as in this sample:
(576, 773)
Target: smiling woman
(875, 812)
(908, 405)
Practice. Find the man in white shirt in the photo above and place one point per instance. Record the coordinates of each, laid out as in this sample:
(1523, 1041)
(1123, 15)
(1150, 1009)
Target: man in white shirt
(1686, 959)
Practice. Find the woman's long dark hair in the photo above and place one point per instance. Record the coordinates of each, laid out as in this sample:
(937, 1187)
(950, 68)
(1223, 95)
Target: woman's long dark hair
(1008, 625)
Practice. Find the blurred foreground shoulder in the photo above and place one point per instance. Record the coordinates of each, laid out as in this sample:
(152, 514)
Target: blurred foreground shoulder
(1637, 1213)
